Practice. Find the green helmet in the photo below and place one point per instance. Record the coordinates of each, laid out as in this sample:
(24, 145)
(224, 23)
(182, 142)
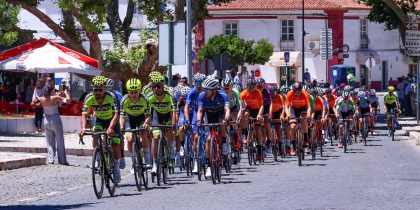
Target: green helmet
(99, 81)
(133, 85)
(391, 88)
(153, 74)
(157, 79)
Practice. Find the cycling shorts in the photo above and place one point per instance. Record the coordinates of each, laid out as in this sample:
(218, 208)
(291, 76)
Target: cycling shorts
(344, 115)
(276, 115)
(266, 109)
(331, 111)
(253, 113)
(160, 119)
(374, 104)
(297, 112)
(192, 121)
(318, 114)
(364, 111)
(102, 125)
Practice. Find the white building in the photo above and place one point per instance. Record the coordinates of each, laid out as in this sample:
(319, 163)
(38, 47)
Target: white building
(280, 22)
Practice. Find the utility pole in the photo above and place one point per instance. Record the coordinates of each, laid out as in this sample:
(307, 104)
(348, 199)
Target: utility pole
(189, 43)
(303, 39)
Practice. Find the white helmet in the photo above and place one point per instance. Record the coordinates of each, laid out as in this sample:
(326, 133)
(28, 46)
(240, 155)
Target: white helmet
(211, 84)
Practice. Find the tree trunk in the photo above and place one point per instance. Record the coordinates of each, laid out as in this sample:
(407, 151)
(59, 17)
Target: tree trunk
(397, 10)
(179, 10)
(72, 43)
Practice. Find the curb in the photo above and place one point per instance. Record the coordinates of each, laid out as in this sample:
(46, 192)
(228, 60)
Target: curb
(415, 136)
(70, 151)
(15, 164)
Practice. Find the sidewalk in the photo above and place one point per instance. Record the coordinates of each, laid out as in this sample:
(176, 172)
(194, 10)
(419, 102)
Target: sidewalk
(411, 127)
(15, 160)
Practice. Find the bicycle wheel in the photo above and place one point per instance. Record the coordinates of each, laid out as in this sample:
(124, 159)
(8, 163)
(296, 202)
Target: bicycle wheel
(165, 158)
(365, 132)
(330, 132)
(109, 182)
(274, 145)
(313, 144)
(187, 151)
(98, 171)
(345, 136)
(213, 161)
(159, 162)
(250, 149)
(392, 127)
(299, 150)
(137, 166)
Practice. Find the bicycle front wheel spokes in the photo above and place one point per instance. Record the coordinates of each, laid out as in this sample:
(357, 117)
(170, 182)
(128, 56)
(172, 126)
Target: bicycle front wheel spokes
(138, 166)
(98, 171)
(213, 161)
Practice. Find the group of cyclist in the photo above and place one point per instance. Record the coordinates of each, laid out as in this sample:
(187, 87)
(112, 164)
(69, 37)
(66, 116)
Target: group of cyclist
(299, 108)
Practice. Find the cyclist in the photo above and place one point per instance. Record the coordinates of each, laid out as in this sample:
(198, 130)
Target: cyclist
(276, 111)
(319, 114)
(373, 100)
(331, 105)
(235, 106)
(266, 103)
(148, 88)
(363, 108)
(344, 110)
(215, 106)
(298, 105)
(134, 106)
(391, 103)
(106, 112)
(181, 93)
(192, 103)
(252, 106)
(161, 113)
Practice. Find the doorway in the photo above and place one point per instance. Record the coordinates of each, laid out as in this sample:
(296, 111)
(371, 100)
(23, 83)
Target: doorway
(364, 75)
(384, 74)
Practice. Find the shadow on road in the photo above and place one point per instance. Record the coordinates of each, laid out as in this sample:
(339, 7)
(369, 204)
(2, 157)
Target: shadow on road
(49, 207)
(313, 164)
(236, 182)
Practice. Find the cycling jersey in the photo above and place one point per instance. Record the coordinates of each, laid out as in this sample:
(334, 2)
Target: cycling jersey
(345, 107)
(331, 100)
(105, 111)
(213, 106)
(298, 101)
(362, 103)
(266, 96)
(131, 108)
(146, 89)
(390, 99)
(192, 99)
(163, 106)
(277, 103)
(252, 100)
(373, 99)
(319, 104)
(312, 101)
(234, 100)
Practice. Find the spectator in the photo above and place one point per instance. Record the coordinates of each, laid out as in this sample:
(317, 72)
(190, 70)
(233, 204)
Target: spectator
(351, 79)
(307, 77)
(39, 92)
(29, 92)
(407, 93)
(184, 81)
(237, 79)
(400, 92)
(53, 125)
(175, 80)
(19, 90)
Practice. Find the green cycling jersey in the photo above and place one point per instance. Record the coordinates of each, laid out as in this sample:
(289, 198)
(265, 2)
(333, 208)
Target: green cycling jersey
(390, 99)
(234, 100)
(104, 111)
(345, 107)
(127, 106)
(163, 106)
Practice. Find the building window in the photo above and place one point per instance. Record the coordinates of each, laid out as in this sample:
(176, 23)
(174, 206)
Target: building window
(287, 30)
(363, 28)
(231, 29)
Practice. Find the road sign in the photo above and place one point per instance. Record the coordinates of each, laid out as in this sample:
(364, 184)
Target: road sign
(345, 55)
(412, 34)
(412, 43)
(286, 57)
(413, 51)
(172, 43)
(326, 44)
(370, 62)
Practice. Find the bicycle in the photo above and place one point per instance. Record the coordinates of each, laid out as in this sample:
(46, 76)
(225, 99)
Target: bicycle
(188, 154)
(138, 158)
(366, 124)
(252, 159)
(332, 131)
(102, 163)
(216, 160)
(201, 153)
(236, 144)
(164, 164)
(346, 134)
(314, 139)
(277, 143)
(391, 115)
(283, 142)
(300, 153)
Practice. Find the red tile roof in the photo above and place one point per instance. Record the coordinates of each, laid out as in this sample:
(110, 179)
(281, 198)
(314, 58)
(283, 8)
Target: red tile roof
(288, 5)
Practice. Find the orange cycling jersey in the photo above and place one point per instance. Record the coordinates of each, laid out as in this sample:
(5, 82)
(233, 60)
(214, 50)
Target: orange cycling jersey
(277, 103)
(298, 101)
(252, 100)
(331, 100)
(319, 103)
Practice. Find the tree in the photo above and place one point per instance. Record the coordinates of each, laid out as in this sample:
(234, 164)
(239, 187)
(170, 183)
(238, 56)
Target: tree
(238, 50)
(8, 21)
(392, 13)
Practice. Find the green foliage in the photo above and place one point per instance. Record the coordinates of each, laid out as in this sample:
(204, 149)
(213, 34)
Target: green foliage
(8, 20)
(238, 50)
(382, 13)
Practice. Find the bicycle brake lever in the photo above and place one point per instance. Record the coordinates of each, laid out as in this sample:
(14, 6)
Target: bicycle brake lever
(81, 140)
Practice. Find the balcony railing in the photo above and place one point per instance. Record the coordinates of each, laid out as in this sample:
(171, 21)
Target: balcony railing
(364, 42)
(287, 45)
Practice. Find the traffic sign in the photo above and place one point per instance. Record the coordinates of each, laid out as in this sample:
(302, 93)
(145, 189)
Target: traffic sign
(412, 34)
(412, 43)
(326, 44)
(413, 51)
(370, 62)
(286, 57)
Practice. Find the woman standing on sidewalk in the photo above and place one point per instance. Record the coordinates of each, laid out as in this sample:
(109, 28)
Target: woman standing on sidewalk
(52, 124)
(39, 111)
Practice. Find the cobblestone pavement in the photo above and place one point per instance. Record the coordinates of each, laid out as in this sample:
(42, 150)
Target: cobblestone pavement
(382, 175)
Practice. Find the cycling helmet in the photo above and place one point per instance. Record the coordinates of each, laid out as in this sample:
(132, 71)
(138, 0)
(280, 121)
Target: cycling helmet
(99, 81)
(260, 82)
(314, 91)
(177, 91)
(346, 94)
(363, 88)
(320, 91)
(306, 87)
(251, 82)
(211, 84)
(153, 74)
(391, 88)
(199, 77)
(372, 92)
(273, 88)
(109, 82)
(328, 90)
(361, 94)
(133, 85)
(297, 86)
(339, 92)
(184, 91)
(354, 93)
(342, 85)
(228, 82)
(237, 87)
(157, 79)
(348, 88)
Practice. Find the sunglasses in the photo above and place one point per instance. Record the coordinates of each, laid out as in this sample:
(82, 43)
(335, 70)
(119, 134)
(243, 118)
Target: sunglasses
(133, 92)
(98, 90)
(198, 83)
(156, 86)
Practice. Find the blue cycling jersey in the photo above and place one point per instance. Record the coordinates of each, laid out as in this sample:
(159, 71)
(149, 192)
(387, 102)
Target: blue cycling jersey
(213, 106)
(192, 99)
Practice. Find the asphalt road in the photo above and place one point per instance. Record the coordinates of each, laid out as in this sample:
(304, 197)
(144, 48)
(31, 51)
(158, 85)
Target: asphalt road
(382, 175)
